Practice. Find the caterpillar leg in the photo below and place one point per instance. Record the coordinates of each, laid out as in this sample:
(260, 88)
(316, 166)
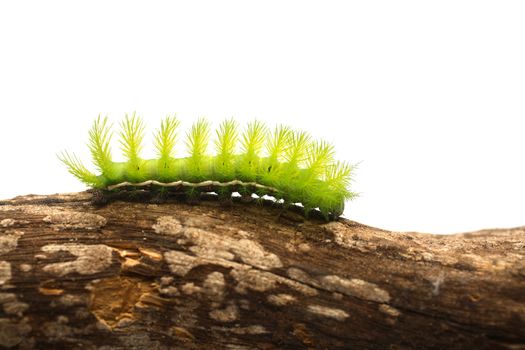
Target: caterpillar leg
(337, 211)
(307, 211)
(159, 194)
(225, 196)
(99, 197)
(193, 196)
(260, 200)
(246, 195)
(285, 209)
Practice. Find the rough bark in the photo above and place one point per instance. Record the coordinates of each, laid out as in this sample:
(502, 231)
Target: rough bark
(137, 275)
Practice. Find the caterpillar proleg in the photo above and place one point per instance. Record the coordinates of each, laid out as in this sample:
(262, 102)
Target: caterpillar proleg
(286, 164)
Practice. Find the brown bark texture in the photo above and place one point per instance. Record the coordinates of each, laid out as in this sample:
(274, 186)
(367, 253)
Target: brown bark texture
(174, 275)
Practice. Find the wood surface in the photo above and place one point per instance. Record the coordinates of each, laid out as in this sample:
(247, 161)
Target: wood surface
(172, 275)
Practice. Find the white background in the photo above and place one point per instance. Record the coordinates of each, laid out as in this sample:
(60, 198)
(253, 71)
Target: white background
(427, 95)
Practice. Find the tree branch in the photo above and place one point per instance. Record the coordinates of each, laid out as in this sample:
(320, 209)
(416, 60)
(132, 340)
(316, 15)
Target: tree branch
(138, 275)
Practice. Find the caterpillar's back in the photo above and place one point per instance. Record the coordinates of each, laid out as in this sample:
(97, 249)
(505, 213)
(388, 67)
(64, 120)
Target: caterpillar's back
(282, 163)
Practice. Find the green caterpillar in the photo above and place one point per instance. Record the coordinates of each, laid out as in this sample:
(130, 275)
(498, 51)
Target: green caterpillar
(294, 168)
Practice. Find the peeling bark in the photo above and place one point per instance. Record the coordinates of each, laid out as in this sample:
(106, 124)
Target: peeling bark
(138, 275)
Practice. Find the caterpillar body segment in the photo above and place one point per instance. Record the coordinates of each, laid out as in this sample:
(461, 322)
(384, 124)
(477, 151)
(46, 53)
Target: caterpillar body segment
(285, 164)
